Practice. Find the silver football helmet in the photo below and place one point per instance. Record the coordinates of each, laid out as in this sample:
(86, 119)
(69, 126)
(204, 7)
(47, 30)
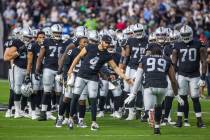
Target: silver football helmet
(161, 35)
(26, 35)
(93, 35)
(56, 31)
(35, 32)
(16, 33)
(122, 39)
(47, 31)
(174, 36)
(152, 38)
(138, 30)
(26, 89)
(186, 33)
(80, 31)
(65, 37)
(128, 31)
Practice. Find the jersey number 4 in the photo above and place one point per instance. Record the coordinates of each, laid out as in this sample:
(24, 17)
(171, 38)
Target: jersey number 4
(188, 53)
(156, 64)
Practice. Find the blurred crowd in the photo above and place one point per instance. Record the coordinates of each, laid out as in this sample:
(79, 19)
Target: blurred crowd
(116, 14)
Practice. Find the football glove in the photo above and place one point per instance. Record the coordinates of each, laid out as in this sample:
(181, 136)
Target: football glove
(201, 83)
(130, 98)
(180, 100)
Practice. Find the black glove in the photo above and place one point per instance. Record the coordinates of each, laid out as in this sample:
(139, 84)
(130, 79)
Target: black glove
(37, 76)
(27, 78)
(22, 49)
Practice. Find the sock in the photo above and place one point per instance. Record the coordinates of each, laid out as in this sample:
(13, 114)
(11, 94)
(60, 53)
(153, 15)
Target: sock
(158, 113)
(93, 108)
(39, 98)
(33, 102)
(82, 109)
(74, 104)
(102, 101)
(23, 103)
(197, 107)
(58, 95)
(11, 99)
(167, 106)
(62, 108)
(68, 109)
(117, 103)
(139, 100)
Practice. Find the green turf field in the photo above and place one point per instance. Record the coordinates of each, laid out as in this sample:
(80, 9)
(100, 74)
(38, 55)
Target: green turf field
(110, 129)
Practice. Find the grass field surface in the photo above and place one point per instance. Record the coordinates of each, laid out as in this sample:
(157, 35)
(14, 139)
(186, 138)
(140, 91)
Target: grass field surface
(110, 129)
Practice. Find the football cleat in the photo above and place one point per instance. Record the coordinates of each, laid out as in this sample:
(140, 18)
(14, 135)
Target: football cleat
(33, 115)
(178, 123)
(59, 123)
(100, 114)
(9, 114)
(65, 121)
(81, 124)
(131, 115)
(43, 116)
(200, 124)
(117, 115)
(50, 116)
(186, 123)
(157, 131)
(70, 124)
(94, 126)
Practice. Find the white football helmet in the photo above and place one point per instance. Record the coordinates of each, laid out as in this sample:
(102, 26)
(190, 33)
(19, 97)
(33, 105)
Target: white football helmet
(168, 31)
(128, 31)
(186, 33)
(93, 35)
(102, 33)
(138, 30)
(47, 31)
(26, 89)
(35, 32)
(174, 36)
(80, 31)
(122, 39)
(161, 35)
(65, 37)
(56, 31)
(16, 33)
(26, 35)
(152, 38)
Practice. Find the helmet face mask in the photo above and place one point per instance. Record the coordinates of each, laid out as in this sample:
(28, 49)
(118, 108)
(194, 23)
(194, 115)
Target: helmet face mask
(174, 36)
(26, 35)
(152, 38)
(161, 35)
(186, 34)
(138, 30)
(56, 31)
(93, 35)
(26, 89)
(80, 32)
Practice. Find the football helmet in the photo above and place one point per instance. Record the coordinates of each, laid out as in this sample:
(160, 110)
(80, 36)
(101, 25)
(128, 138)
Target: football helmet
(93, 35)
(122, 39)
(186, 34)
(174, 36)
(56, 31)
(26, 89)
(80, 31)
(128, 31)
(65, 37)
(16, 32)
(168, 31)
(152, 38)
(26, 35)
(138, 30)
(161, 35)
(47, 31)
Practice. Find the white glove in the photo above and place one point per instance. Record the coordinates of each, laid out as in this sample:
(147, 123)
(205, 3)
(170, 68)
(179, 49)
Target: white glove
(129, 98)
(180, 100)
(58, 78)
(201, 83)
(70, 81)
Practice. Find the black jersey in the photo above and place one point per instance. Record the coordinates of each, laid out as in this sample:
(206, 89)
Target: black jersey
(137, 50)
(188, 58)
(155, 71)
(35, 49)
(52, 52)
(93, 61)
(168, 49)
(69, 60)
(20, 61)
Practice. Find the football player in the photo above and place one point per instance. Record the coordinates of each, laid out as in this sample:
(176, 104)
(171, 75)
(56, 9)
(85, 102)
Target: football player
(152, 73)
(94, 57)
(188, 55)
(17, 52)
(50, 51)
(32, 55)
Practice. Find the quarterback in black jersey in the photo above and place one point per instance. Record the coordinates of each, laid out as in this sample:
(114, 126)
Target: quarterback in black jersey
(188, 55)
(94, 57)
